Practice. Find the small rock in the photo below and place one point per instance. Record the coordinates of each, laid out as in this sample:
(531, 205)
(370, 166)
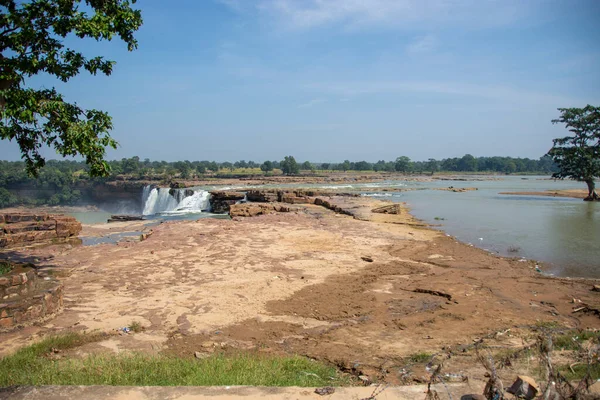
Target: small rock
(324, 391)
(596, 288)
(525, 387)
(365, 379)
(367, 259)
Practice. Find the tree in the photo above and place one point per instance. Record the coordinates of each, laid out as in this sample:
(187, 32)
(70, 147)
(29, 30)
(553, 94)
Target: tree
(31, 43)
(432, 165)
(267, 166)
(307, 166)
(289, 166)
(345, 166)
(467, 163)
(578, 157)
(402, 164)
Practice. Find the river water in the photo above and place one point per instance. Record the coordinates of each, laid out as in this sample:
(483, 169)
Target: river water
(564, 233)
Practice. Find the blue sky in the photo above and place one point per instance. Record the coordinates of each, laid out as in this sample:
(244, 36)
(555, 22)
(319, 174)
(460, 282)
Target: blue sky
(328, 80)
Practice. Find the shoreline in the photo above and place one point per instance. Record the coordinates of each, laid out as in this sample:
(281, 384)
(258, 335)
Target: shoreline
(568, 193)
(355, 285)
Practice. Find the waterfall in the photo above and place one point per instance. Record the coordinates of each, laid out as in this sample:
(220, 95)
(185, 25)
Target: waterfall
(157, 200)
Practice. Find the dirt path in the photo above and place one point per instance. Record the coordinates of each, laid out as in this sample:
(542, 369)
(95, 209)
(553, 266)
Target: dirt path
(360, 291)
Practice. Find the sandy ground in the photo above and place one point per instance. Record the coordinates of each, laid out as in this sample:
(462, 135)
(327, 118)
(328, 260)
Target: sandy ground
(361, 292)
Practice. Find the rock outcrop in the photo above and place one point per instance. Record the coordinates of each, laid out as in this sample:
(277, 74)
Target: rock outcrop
(18, 229)
(221, 201)
(254, 209)
(26, 297)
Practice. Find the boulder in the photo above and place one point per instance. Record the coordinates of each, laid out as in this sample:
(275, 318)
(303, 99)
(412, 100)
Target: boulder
(221, 201)
(524, 387)
(66, 226)
(121, 218)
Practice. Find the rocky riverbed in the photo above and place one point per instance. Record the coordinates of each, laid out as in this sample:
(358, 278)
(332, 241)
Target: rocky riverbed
(331, 280)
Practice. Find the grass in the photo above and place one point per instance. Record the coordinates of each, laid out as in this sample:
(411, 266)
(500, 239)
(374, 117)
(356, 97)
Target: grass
(420, 357)
(574, 340)
(34, 365)
(5, 268)
(440, 218)
(577, 372)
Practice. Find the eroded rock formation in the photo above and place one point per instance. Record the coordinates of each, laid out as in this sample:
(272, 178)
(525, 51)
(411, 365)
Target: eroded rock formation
(17, 229)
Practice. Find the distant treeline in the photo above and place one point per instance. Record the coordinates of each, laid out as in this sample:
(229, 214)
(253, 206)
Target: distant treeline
(59, 181)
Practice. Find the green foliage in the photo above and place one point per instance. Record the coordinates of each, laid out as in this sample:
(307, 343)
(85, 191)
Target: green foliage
(307, 166)
(31, 43)
(289, 166)
(5, 267)
(578, 155)
(267, 166)
(420, 357)
(573, 340)
(403, 164)
(60, 182)
(7, 199)
(31, 366)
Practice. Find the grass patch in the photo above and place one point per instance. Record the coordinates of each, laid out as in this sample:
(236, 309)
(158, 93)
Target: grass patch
(5, 267)
(420, 357)
(136, 327)
(546, 325)
(440, 218)
(573, 340)
(578, 371)
(33, 366)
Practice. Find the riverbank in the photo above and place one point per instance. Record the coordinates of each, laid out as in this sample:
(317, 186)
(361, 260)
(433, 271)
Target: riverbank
(363, 291)
(570, 193)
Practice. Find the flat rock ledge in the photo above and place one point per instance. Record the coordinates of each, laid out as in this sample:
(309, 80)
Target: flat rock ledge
(27, 297)
(21, 229)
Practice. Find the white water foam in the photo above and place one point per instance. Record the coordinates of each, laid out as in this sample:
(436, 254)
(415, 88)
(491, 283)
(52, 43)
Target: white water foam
(174, 201)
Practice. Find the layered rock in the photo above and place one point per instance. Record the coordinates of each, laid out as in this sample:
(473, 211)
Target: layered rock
(254, 209)
(21, 228)
(26, 297)
(221, 201)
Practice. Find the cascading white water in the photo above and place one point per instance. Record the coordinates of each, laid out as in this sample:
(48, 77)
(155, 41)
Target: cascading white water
(174, 201)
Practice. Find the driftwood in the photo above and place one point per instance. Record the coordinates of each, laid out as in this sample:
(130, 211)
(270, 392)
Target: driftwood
(586, 309)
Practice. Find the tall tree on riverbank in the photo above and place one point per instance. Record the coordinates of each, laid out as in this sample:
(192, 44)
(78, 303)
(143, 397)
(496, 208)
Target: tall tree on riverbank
(32, 34)
(578, 156)
(289, 166)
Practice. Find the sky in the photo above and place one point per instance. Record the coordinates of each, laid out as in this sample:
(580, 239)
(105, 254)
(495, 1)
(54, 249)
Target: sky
(328, 80)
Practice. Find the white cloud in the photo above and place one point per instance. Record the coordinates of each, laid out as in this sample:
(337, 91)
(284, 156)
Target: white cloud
(503, 93)
(312, 103)
(304, 14)
(423, 44)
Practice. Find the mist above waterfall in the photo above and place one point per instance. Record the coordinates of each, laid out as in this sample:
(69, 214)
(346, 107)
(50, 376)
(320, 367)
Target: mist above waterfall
(157, 200)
